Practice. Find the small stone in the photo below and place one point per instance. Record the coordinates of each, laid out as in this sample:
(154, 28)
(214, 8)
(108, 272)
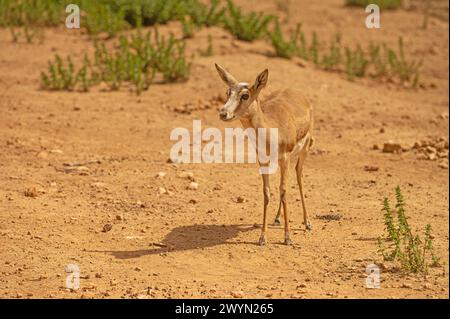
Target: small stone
(31, 192)
(188, 175)
(443, 165)
(137, 268)
(98, 275)
(106, 228)
(161, 174)
(193, 186)
(237, 294)
(99, 185)
(406, 285)
(42, 154)
(240, 199)
(391, 147)
(119, 217)
(369, 168)
(193, 201)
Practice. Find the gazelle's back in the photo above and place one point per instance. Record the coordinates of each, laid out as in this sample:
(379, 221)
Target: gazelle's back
(289, 111)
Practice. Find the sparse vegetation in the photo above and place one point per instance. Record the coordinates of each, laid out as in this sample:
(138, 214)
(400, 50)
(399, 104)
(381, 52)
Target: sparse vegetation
(26, 18)
(246, 27)
(383, 4)
(137, 60)
(209, 49)
(401, 244)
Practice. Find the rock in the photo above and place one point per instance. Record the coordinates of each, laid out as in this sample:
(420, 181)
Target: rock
(237, 294)
(99, 185)
(140, 204)
(240, 199)
(56, 151)
(369, 168)
(107, 228)
(162, 190)
(443, 165)
(137, 268)
(42, 154)
(161, 174)
(406, 285)
(375, 147)
(391, 147)
(98, 275)
(31, 192)
(119, 217)
(193, 186)
(188, 175)
(193, 201)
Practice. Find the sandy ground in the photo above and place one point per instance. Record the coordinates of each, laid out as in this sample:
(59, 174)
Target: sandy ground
(203, 243)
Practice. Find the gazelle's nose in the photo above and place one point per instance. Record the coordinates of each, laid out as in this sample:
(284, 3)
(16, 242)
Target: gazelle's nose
(223, 114)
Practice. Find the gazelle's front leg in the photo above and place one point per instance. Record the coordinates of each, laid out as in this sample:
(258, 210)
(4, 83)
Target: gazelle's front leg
(283, 162)
(266, 191)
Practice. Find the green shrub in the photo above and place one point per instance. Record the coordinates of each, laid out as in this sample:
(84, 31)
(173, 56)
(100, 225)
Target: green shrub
(355, 63)
(137, 60)
(246, 27)
(206, 15)
(19, 13)
(407, 71)
(285, 48)
(383, 4)
(413, 253)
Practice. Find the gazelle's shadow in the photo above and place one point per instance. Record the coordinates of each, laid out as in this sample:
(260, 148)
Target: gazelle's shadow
(187, 238)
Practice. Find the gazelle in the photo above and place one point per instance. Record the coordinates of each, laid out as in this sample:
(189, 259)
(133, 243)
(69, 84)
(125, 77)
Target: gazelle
(289, 112)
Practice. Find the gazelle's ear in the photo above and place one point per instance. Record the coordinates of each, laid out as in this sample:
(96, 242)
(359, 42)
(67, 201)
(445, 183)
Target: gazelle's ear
(226, 76)
(261, 81)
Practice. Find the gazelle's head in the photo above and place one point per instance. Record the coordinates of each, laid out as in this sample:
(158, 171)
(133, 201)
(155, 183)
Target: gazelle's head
(240, 95)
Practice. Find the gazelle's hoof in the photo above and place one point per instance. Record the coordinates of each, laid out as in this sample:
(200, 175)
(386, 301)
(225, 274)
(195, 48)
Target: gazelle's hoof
(262, 241)
(277, 222)
(309, 226)
(288, 241)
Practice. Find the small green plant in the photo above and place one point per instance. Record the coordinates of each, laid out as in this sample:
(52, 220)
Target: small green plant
(285, 48)
(103, 17)
(383, 4)
(246, 27)
(206, 15)
(407, 71)
(61, 75)
(188, 28)
(332, 60)
(401, 244)
(209, 51)
(355, 63)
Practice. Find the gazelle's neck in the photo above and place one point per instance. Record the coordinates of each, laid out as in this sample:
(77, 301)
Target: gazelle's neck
(254, 117)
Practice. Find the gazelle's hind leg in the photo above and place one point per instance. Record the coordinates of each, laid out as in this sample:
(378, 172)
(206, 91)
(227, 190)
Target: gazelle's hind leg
(299, 169)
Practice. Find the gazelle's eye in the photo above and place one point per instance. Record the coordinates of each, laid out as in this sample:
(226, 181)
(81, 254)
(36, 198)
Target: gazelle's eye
(245, 97)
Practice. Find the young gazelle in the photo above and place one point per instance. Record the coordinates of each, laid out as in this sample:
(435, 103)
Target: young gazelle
(289, 112)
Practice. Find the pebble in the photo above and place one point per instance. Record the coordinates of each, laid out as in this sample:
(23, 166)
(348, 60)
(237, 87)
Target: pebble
(391, 147)
(161, 174)
(237, 294)
(193, 186)
(107, 228)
